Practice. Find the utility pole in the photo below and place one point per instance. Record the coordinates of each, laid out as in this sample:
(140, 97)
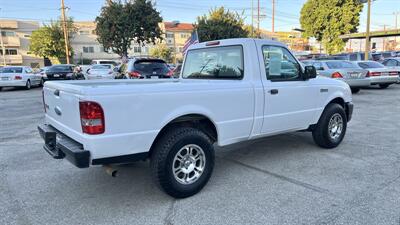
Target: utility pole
(252, 18)
(383, 39)
(258, 16)
(3, 49)
(395, 18)
(367, 42)
(273, 16)
(64, 24)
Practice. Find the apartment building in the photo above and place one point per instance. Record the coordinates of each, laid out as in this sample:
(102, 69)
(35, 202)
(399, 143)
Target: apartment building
(15, 40)
(176, 34)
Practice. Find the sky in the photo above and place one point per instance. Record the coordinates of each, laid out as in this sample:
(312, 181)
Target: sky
(286, 11)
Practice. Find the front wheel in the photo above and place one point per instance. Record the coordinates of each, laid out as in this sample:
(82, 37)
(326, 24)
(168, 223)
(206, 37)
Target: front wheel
(41, 82)
(331, 127)
(182, 161)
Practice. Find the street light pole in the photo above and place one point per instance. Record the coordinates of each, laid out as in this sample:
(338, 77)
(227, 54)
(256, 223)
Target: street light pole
(3, 49)
(367, 42)
(64, 23)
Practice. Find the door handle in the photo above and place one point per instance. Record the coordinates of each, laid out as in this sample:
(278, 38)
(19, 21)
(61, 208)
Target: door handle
(273, 91)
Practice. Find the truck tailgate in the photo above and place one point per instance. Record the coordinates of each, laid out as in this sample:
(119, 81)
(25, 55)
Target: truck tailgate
(62, 109)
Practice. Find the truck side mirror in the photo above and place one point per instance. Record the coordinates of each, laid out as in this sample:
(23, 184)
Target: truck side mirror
(309, 72)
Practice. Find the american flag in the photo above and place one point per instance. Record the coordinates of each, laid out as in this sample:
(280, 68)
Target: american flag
(194, 38)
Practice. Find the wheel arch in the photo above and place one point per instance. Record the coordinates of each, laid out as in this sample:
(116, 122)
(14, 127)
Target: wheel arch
(195, 120)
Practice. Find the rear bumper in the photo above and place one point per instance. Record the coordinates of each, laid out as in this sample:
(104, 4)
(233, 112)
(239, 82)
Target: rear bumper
(13, 83)
(358, 82)
(349, 106)
(383, 79)
(60, 146)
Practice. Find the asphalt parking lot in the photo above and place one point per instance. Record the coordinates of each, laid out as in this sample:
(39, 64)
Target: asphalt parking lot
(284, 179)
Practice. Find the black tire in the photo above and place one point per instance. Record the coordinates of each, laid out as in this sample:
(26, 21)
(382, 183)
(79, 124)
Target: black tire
(384, 86)
(355, 90)
(321, 134)
(28, 85)
(163, 155)
(41, 82)
(1, 88)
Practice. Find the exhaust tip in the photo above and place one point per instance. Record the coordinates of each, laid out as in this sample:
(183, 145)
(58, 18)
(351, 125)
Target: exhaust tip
(113, 172)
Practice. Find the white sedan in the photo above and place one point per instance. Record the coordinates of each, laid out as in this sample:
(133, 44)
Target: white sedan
(101, 71)
(18, 76)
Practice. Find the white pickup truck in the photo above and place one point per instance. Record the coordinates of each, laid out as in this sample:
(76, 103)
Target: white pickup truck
(228, 91)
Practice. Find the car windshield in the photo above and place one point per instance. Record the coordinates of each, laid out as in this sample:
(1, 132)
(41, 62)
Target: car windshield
(149, 67)
(60, 68)
(370, 65)
(101, 67)
(11, 70)
(340, 64)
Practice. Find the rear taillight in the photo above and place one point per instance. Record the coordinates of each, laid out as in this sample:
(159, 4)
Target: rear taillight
(110, 72)
(17, 77)
(374, 74)
(393, 73)
(337, 75)
(134, 74)
(92, 117)
(170, 73)
(44, 103)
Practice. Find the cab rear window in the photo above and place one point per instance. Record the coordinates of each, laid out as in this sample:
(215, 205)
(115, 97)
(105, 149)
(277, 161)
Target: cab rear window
(214, 63)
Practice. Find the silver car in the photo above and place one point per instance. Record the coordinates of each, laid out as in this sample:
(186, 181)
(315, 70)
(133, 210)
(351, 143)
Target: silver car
(101, 71)
(18, 76)
(343, 70)
(393, 63)
(378, 74)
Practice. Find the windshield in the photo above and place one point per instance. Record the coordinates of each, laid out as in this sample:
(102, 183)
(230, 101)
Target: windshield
(101, 67)
(60, 68)
(370, 65)
(11, 70)
(340, 64)
(149, 67)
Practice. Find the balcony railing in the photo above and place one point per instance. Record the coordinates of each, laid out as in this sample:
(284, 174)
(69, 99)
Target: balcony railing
(11, 41)
(12, 59)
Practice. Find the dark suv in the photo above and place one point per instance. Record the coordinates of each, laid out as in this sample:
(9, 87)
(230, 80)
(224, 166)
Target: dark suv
(61, 72)
(145, 68)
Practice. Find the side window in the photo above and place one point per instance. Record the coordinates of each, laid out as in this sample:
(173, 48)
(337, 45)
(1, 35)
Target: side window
(391, 62)
(280, 65)
(318, 66)
(28, 70)
(214, 63)
(353, 57)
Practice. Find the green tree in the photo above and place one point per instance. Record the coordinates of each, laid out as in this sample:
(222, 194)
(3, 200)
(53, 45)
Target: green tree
(121, 23)
(220, 24)
(48, 41)
(161, 51)
(327, 20)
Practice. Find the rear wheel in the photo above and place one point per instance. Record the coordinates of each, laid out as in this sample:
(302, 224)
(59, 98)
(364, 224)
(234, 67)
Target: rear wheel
(331, 127)
(1, 88)
(182, 161)
(383, 86)
(28, 85)
(355, 90)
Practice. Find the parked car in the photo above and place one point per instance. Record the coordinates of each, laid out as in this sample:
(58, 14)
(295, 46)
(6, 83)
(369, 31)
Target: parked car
(354, 56)
(346, 71)
(101, 71)
(378, 74)
(146, 68)
(62, 72)
(230, 91)
(18, 76)
(105, 61)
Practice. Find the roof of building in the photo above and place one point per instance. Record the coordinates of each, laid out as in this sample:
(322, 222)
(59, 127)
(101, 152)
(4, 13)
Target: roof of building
(178, 26)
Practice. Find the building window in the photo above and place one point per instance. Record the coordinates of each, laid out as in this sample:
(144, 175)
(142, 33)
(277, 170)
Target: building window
(172, 49)
(88, 49)
(170, 35)
(185, 35)
(169, 41)
(7, 33)
(137, 49)
(9, 51)
(84, 32)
